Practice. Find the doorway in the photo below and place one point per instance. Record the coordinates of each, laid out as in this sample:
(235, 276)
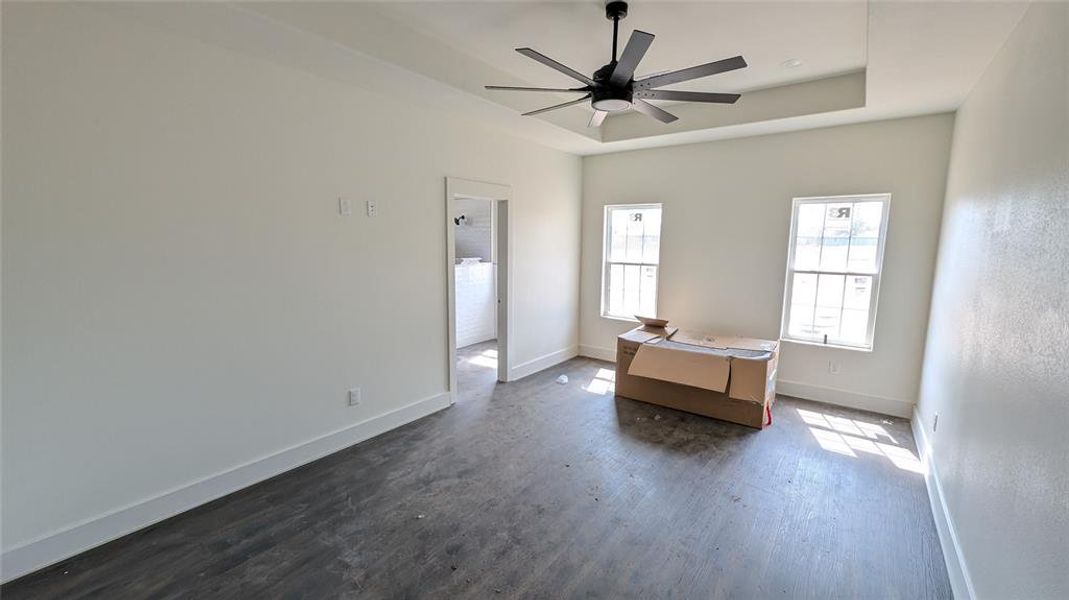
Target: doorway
(478, 250)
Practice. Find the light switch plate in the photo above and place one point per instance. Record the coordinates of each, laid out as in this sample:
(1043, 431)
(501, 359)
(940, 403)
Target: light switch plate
(345, 207)
(355, 396)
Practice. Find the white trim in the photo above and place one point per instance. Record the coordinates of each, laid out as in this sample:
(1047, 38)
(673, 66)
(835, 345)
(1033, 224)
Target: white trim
(54, 547)
(957, 569)
(820, 345)
(874, 292)
(606, 265)
(542, 363)
(598, 352)
(878, 404)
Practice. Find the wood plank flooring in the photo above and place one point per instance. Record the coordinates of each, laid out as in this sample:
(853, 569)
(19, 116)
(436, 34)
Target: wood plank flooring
(539, 490)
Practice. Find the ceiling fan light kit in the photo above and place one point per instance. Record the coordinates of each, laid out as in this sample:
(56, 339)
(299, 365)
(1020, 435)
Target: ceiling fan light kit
(613, 87)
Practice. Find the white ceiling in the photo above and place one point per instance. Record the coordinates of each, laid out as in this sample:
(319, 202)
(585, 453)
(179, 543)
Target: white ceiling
(829, 37)
(907, 58)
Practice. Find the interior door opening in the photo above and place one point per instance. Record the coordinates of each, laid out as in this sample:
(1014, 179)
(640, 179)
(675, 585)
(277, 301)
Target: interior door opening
(478, 275)
(475, 276)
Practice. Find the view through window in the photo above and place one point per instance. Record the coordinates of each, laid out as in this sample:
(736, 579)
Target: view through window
(631, 256)
(833, 269)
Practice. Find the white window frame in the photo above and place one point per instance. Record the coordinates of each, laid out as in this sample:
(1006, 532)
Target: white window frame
(881, 243)
(606, 264)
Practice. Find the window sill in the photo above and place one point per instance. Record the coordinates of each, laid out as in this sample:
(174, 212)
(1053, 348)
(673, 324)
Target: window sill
(624, 319)
(832, 346)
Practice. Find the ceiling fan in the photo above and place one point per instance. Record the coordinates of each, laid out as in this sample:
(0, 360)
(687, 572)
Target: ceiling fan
(613, 88)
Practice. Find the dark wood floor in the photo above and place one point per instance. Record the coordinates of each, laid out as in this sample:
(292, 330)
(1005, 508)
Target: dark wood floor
(539, 490)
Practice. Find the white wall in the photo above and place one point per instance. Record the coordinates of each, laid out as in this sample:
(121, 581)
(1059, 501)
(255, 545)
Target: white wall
(724, 236)
(474, 238)
(995, 369)
(476, 303)
(181, 295)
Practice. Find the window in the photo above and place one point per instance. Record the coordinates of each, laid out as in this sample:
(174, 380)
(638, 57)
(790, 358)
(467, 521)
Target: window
(632, 252)
(833, 269)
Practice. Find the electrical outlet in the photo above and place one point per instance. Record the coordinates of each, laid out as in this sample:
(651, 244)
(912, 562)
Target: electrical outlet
(354, 396)
(372, 208)
(935, 422)
(345, 207)
(834, 367)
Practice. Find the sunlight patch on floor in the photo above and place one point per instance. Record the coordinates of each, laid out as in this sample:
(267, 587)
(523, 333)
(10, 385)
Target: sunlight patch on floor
(482, 360)
(603, 382)
(850, 436)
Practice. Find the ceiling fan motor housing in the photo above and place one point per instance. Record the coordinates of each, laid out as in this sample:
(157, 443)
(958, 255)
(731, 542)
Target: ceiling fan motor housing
(609, 97)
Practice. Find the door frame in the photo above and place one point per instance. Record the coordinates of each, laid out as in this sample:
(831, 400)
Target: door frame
(501, 196)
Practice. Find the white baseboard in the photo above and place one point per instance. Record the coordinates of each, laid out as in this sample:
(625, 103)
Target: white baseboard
(542, 363)
(93, 532)
(598, 352)
(957, 570)
(878, 404)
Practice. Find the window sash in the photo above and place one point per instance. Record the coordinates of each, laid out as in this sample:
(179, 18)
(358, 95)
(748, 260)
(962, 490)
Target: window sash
(635, 288)
(607, 263)
(875, 275)
(837, 340)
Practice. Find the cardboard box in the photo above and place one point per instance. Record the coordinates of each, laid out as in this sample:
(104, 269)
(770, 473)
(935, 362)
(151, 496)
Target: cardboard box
(728, 378)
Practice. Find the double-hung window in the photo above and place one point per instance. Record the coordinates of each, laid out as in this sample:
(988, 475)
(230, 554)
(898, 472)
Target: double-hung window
(833, 269)
(631, 256)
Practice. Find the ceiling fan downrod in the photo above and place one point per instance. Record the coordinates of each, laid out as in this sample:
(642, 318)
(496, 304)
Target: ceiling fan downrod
(615, 10)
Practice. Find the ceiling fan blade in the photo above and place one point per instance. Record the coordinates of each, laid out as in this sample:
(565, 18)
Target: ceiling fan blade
(720, 66)
(653, 111)
(549, 62)
(597, 118)
(556, 106)
(688, 96)
(634, 51)
(513, 88)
